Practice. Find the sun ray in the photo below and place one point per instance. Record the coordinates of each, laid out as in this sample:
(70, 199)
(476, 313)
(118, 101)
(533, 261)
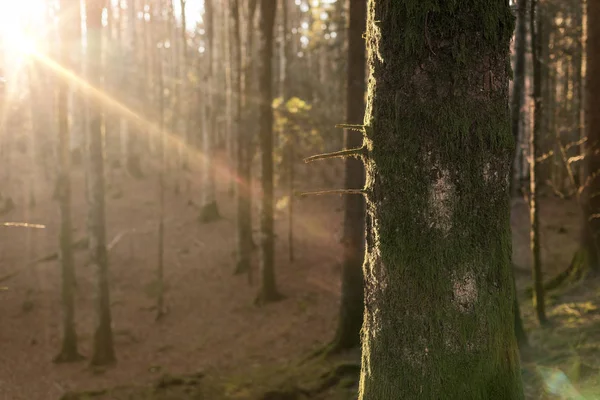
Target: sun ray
(174, 142)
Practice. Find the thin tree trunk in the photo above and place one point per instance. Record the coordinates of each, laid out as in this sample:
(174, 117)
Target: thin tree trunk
(578, 87)
(184, 111)
(352, 304)
(133, 161)
(284, 84)
(516, 123)
(210, 210)
(103, 348)
(537, 26)
(160, 303)
(268, 289)
(438, 320)
(244, 158)
(68, 352)
(591, 239)
(177, 83)
(229, 135)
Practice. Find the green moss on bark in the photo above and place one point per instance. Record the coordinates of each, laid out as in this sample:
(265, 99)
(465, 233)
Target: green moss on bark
(439, 298)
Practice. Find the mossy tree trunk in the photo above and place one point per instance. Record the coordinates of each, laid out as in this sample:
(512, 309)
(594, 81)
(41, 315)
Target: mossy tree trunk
(439, 320)
(268, 289)
(591, 229)
(68, 352)
(103, 348)
(537, 26)
(352, 303)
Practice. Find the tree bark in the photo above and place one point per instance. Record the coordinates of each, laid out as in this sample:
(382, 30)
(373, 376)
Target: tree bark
(103, 350)
(268, 290)
(439, 320)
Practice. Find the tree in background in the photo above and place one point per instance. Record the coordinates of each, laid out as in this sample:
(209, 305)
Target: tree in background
(437, 257)
(352, 303)
(591, 223)
(103, 351)
(268, 289)
(537, 26)
(209, 211)
(516, 121)
(68, 352)
(243, 190)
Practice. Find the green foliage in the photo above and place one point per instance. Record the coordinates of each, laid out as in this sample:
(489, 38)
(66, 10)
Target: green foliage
(295, 123)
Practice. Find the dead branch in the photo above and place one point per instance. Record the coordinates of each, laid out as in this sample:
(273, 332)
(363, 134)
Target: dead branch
(333, 191)
(356, 152)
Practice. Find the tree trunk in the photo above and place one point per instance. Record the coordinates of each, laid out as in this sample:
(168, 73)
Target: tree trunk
(68, 352)
(352, 304)
(210, 210)
(103, 350)
(592, 146)
(132, 158)
(537, 26)
(519, 76)
(268, 290)
(284, 84)
(184, 111)
(516, 118)
(160, 300)
(438, 291)
(243, 149)
(578, 87)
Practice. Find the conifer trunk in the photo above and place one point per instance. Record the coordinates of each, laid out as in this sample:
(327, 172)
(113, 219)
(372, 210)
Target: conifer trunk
(516, 118)
(210, 210)
(284, 83)
(244, 154)
(439, 320)
(184, 111)
(160, 300)
(68, 352)
(132, 153)
(591, 229)
(268, 290)
(103, 350)
(537, 26)
(352, 303)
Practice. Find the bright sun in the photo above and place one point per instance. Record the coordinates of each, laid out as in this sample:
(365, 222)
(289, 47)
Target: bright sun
(17, 23)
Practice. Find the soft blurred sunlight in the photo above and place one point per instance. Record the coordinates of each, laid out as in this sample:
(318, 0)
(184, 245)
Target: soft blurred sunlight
(16, 22)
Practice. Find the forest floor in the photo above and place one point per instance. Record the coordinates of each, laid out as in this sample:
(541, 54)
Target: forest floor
(214, 343)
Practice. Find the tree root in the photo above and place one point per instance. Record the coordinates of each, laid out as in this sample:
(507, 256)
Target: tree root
(264, 298)
(577, 270)
(65, 357)
(209, 213)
